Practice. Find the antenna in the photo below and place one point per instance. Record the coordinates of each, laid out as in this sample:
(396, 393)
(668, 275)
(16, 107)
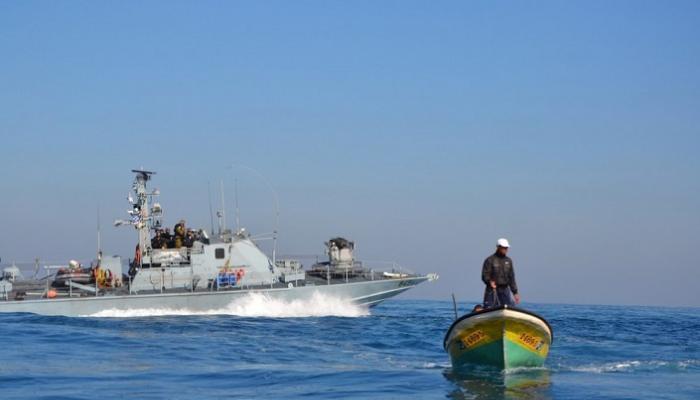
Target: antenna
(36, 267)
(454, 305)
(223, 206)
(238, 214)
(99, 236)
(211, 213)
(277, 206)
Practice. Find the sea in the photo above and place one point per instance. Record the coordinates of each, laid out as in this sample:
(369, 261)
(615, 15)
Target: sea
(325, 348)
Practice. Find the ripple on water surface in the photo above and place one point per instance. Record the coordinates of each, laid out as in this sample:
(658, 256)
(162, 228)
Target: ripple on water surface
(329, 349)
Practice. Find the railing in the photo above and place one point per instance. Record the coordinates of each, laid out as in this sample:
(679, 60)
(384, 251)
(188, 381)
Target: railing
(377, 265)
(395, 267)
(31, 270)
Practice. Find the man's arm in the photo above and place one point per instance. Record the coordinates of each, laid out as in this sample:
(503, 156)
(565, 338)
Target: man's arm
(513, 285)
(487, 273)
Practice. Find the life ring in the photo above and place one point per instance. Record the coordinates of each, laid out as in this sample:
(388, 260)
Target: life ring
(240, 273)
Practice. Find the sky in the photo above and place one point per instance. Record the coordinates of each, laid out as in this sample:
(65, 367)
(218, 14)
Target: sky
(423, 131)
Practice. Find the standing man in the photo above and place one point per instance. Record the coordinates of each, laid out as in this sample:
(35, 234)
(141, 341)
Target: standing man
(499, 277)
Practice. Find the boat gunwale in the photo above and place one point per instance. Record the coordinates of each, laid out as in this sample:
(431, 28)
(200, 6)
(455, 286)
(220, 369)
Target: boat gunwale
(490, 310)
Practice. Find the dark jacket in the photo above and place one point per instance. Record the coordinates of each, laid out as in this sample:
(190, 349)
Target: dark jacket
(499, 268)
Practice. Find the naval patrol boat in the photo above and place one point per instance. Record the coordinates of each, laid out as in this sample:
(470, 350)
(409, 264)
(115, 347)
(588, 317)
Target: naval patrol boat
(196, 272)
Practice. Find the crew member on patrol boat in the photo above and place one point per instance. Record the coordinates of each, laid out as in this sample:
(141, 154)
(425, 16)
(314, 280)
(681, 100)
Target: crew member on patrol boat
(499, 277)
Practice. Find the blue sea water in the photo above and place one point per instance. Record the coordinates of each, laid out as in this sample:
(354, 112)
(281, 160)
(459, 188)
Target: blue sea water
(389, 352)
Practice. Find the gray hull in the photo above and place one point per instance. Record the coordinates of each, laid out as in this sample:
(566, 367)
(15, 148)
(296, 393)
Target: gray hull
(368, 293)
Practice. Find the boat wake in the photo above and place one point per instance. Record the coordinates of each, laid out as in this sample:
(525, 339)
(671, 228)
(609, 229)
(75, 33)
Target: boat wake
(257, 305)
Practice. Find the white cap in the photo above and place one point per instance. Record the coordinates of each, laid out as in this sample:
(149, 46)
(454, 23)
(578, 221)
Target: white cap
(502, 242)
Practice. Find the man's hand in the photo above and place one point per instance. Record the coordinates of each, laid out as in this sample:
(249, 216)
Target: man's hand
(493, 284)
(517, 298)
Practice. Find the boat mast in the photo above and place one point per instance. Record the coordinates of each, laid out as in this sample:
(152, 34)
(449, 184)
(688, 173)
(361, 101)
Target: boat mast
(140, 212)
(141, 221)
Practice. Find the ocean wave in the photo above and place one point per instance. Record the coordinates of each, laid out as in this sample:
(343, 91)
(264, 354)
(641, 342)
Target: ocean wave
(432, 365)
(633, 365)
(256, 305)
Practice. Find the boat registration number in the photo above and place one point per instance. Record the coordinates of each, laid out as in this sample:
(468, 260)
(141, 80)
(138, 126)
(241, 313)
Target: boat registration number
(473, 338)
(531, 341)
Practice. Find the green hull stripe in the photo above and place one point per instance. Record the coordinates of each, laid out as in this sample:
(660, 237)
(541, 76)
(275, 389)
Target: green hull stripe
(519, 356)
(488, 354)
(501, 354)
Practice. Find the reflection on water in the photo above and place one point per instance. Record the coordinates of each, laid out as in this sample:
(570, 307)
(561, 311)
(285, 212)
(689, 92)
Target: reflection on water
(489, 383)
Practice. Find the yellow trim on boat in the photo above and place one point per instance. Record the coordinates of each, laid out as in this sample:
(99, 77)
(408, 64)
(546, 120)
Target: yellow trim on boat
(527, 336)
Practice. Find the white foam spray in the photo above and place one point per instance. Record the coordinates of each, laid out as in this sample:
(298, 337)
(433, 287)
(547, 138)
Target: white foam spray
(257, 305)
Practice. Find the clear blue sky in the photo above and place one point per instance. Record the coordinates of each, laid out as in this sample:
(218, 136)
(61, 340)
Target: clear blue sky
(422, 130)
